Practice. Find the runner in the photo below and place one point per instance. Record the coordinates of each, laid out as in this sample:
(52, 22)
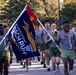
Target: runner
(39, 43)
(67, 39)
(45, 44)
(4, 52)
(55, 53)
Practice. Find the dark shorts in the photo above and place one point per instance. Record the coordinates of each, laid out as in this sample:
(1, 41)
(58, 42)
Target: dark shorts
(46, 46)
(55, 52)
(5, 55)
(38, 45)
(41, 47)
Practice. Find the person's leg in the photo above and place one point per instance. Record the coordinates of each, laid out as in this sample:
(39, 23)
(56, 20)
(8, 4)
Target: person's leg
(45, 46)
(47, 59)
(53, 62)
(27, 64)
(58, 62)
(71, 56)
(58, 54)
(24, 63)
(29, 61)
(9, 61)
(38, 45)
(8, 56)
(44, 56)
(65, 62)
(53, 58)
(21, 62)
(71, 62)
(38, 58)
(5, 66)
(41, 57)
(1, 66)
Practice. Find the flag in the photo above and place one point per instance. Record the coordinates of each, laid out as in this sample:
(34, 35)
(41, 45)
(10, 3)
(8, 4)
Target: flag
(23, 36)
(32, 16)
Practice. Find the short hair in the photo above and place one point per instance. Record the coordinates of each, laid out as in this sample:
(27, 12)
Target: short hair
(46, 21)
(1, 26)
(65, 22)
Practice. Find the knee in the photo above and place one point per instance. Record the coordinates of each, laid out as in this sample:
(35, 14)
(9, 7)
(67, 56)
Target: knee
(58, 63)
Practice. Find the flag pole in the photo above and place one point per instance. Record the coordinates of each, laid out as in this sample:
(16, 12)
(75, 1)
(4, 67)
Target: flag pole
(48, 34)
(13, 24)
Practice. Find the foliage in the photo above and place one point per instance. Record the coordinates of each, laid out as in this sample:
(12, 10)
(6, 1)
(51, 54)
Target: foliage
(44, 9)
(69, 10)
(11, 11)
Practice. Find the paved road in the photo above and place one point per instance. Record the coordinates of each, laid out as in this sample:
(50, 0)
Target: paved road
(34, 69)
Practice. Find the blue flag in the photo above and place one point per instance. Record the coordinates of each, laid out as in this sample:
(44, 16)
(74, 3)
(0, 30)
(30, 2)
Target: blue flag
(23, 36)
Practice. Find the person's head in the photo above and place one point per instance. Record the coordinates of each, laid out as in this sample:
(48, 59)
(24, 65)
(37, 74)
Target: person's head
(40, 27)
(74, 29)
(1, 29)
(53, 26)
(66, 27)
(5, 29)
(47, 24)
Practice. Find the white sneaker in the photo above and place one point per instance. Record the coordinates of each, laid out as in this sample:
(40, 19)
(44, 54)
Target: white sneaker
(27, 68)
(70, 72)
(54, 72)
(57, 70)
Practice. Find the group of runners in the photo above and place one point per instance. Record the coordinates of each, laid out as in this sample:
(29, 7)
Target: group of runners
(54, 44)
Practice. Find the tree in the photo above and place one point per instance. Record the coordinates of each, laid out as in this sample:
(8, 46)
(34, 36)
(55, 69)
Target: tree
(44, 9)
(69, 10)
(12, 10)
(2, 4)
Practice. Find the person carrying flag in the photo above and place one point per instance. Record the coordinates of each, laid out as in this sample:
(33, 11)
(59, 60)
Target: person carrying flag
(45, 45)
(4, 52)
(54, 51)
